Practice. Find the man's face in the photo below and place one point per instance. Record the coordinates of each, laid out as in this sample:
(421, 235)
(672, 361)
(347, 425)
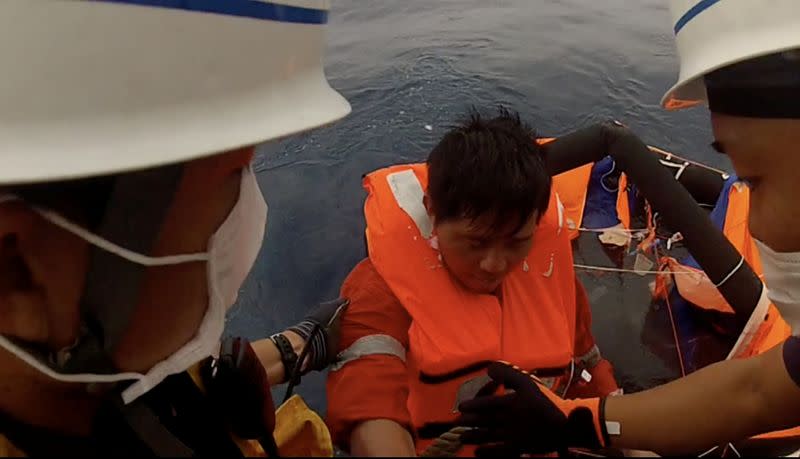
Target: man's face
(766, 152)
(479, 255)
(43, 269)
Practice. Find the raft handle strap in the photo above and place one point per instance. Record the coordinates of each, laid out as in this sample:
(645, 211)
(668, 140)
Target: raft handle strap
(680, 171)
(680, 167)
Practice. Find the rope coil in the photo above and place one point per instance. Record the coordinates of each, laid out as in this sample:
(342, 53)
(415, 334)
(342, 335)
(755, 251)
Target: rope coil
(447, 444)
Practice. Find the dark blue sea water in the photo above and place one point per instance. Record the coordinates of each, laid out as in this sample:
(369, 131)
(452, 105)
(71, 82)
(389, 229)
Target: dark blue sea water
(405, 65)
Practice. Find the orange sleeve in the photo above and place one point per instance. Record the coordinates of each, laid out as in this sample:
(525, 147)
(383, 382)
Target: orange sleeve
(603, 382)
(584, 340)
(375, 386)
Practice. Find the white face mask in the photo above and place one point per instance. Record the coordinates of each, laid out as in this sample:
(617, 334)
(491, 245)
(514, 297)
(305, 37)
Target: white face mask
(782, 276)
(232, 250)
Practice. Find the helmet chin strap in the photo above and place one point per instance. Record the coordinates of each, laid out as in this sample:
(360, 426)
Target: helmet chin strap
(134, 215)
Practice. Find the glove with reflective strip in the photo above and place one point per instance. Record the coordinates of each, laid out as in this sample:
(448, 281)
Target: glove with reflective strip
(531, 419)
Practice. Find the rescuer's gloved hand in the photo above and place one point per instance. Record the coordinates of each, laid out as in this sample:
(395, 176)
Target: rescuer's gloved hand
(531, 419)
(326, 319)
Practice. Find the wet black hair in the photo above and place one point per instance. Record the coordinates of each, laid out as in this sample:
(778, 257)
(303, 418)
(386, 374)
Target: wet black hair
(489, 167)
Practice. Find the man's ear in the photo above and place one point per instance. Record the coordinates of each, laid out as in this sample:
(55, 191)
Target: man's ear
(426, 201)
(37, 261)
(22, 311)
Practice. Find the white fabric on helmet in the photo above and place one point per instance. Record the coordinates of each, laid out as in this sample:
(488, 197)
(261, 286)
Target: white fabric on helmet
(98, 87)
(711, 34)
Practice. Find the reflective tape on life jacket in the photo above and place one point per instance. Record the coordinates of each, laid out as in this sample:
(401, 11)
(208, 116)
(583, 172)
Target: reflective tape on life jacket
(454, 332)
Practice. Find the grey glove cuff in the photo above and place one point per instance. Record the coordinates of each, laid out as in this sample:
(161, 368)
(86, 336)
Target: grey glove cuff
(318, 353)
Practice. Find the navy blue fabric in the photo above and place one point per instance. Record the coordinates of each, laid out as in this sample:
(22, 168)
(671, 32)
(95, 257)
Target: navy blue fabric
(255, 9)
(601, 206)
(791, 358)
(692, 13)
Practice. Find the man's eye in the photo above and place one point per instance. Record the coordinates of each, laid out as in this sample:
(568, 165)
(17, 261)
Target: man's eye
(476, 244)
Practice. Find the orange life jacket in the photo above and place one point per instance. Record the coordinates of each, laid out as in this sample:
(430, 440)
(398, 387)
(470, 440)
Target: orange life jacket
(773, 330)
(452, 329)
(573, 185)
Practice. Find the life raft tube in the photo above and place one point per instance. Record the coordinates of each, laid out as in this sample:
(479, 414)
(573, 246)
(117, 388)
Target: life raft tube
(719, 259)
(675, 195)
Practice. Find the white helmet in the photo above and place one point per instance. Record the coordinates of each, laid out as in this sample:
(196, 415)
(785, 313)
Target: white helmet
(98, 87)
(711, 34)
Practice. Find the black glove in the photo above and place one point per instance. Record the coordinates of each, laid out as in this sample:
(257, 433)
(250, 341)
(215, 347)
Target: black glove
(237, 387)
(321, 330)
(532, 419)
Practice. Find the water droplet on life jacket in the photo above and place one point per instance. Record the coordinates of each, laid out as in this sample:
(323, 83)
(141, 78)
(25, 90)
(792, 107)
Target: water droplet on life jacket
(525, 266)
(434, 242)
(549, 271)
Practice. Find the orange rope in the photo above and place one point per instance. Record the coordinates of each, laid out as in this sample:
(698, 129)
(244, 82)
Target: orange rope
(672, 321)
(651, 225)
(675, 336)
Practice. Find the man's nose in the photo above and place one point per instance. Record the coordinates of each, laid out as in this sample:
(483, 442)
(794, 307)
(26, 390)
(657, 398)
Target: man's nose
(494, 261)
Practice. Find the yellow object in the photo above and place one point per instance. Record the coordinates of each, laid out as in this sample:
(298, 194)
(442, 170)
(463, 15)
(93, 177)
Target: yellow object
(7, 449)
(300, 432)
